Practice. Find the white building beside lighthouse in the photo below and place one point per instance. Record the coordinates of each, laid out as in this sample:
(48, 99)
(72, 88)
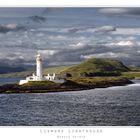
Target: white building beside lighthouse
(39, 74)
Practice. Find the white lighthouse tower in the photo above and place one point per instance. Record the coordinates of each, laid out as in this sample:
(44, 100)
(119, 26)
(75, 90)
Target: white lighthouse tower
(39, 67)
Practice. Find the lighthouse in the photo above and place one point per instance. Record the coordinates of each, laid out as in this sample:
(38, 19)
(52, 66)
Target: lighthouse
(39, 76)
(39, 67)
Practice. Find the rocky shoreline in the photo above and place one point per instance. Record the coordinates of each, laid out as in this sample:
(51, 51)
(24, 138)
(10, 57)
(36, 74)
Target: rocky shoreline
(67, 86)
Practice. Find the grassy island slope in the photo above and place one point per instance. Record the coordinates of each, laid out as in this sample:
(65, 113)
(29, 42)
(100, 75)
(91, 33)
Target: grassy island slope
(90, 74)
(97, 67)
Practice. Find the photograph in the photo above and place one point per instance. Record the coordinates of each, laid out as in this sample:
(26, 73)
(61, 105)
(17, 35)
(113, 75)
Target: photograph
(69, 66)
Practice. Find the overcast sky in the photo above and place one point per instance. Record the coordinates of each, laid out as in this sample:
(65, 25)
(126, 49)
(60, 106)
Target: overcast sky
(69, 35)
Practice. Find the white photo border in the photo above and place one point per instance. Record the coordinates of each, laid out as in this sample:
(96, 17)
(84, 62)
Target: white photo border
(69, 132)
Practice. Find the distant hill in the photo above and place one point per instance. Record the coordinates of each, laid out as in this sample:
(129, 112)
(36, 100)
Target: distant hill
(56, 70)
(6, 69)
(96, 67)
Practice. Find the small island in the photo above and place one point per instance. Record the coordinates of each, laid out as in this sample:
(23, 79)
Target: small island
(90, 74)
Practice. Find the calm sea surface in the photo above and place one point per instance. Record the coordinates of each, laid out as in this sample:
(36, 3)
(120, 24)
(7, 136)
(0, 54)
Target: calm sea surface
(105, 106)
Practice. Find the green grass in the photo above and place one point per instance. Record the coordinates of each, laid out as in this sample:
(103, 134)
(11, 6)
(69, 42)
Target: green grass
(39, 83)
(136, 69)
(131, 74)
(95, 80)
(56, 70)
(97, 67)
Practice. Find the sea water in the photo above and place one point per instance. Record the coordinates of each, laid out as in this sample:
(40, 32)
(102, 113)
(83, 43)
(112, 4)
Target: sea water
(113, 106)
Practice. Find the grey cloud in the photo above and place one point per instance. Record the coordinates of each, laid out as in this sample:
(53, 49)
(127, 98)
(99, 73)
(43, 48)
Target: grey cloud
(67, 56)
(42, 17)
(73, 55)
(100, 29)
(50, 10)
(38, 19)
(129, 55)
(80, 30)
(10, 27)
(19, 48)
(120, 11)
